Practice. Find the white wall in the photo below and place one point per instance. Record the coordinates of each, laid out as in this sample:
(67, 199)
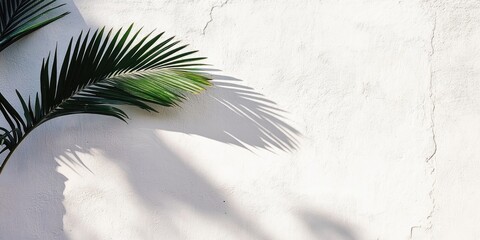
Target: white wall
(377, 134)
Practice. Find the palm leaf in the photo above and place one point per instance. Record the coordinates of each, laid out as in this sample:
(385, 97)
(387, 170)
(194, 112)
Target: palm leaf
(101, 71)
(19, 18)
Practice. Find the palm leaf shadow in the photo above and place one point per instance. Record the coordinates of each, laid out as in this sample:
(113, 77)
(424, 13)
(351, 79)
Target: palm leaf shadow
(236, 114)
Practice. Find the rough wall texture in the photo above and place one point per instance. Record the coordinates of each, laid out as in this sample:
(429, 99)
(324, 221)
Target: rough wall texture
(329, 120)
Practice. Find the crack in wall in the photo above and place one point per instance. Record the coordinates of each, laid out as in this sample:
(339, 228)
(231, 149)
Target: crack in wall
(211, 14)
(411, 230)
(430, 160)
(430, 163)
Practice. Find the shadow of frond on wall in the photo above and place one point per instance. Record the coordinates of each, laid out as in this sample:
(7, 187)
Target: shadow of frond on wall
(233, 113)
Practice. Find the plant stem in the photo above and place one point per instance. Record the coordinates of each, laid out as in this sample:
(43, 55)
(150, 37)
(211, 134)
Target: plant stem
(42, 120)
(6, 160)
(13, 149)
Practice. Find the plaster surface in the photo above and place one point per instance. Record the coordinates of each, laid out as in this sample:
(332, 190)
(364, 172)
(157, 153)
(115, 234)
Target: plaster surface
(342, 120)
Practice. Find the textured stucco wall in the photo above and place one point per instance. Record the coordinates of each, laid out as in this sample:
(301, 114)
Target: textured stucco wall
(329, 120)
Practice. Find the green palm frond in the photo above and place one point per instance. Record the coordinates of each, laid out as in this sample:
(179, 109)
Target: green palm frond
(19, 18)
(102, 71)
